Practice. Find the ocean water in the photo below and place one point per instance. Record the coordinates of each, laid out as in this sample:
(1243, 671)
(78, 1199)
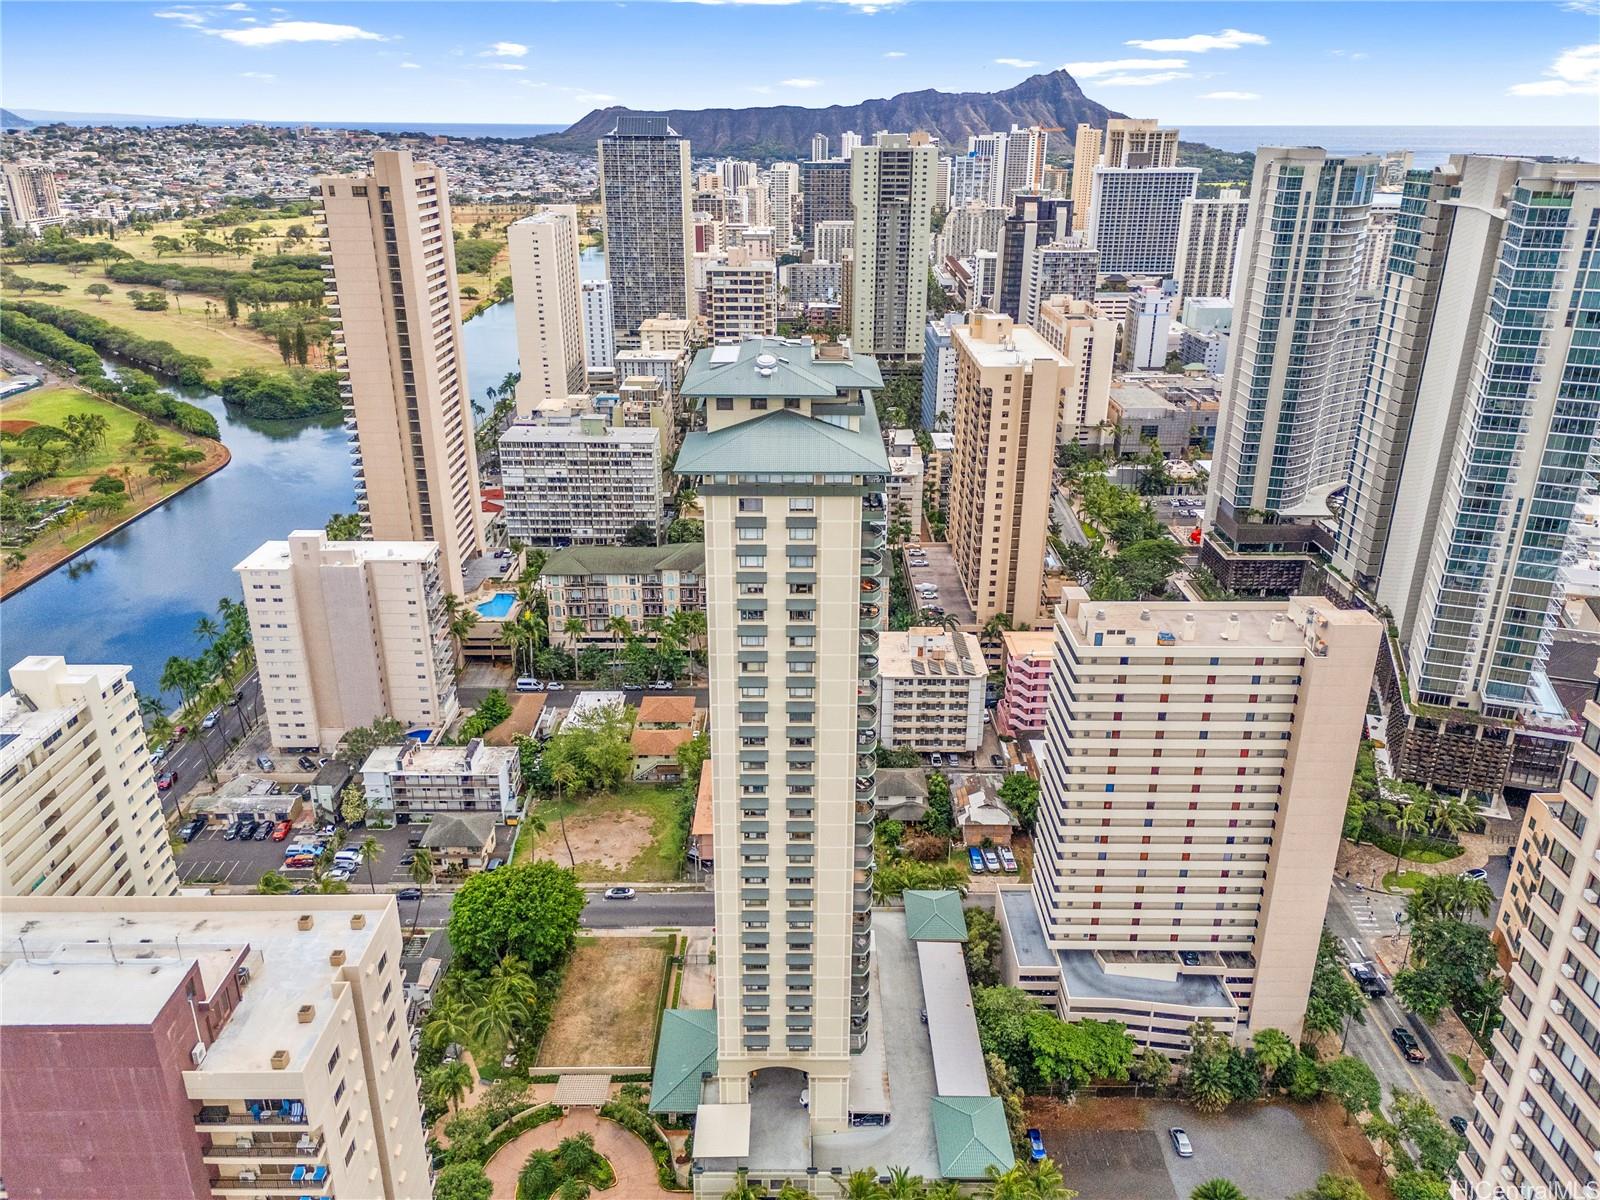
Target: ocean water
(1430, 144)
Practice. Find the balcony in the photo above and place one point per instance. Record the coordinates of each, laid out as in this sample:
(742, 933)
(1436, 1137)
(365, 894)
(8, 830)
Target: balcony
(869, 642)
(255, 1112)
(871, 560)
(869, 585)
(866, 715)
(248, 1147)
(866, 764)
(866, 789)
(867, 739)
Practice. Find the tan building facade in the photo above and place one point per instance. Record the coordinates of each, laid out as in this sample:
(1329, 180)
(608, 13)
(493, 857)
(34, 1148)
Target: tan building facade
(1208, 240)
(891, 188)
(933, 683)
(1010, 387)
(1138, 142)
(346, 632)
(397, 341)
(1198, 761)
(741, 297)
(79, 811)
(264, 1036)
(550, 334)
(1076, 330)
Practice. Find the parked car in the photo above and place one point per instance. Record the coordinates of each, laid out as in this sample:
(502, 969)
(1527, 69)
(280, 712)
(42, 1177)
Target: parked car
(1477, 873)
(1459, 1124)
(211, 718)
(156, 755)
(1181, 1145)
(1409, 1047)
(263, 831)
(1035, 1145)
(633, 687)
(409, 893)
(936, 759)
(527, 683)
(555, 686)
(181, 732)
(494, 864)
(1189, 958)
(166, 779)
(280, 831)
(342, 874)
(620, 893)
(1008, 860)
(407, 859)
(265, 763)
(231, 832)
(991, 861)
(299, 862)
(661, 685)
(306, 763)
(1368, 979)
(996, 760)
(194, 829)
(975, 860)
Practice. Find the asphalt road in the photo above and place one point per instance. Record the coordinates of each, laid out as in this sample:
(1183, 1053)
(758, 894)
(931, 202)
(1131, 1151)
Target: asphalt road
(651, 910)
(189, 758)
(1355, 917)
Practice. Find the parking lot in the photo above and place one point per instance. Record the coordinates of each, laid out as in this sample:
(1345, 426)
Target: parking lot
(212, 859)
(941, 572)
(1120, 1149)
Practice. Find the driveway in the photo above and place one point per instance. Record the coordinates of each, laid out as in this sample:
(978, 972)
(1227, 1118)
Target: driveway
(629, 1157)
(941, 572)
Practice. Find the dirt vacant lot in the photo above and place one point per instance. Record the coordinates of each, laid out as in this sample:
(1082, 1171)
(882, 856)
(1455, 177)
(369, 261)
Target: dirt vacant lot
(606, 1013)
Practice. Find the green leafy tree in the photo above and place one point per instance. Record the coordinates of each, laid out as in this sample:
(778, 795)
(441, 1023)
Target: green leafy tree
(531, 911)
(1333, 999)
(1418, 1122)
(448, 1083)
(1352, 1083)
(1451, 965)
(353, 803)
(1207, 1075)
(686, 529)
(1069, 1054)
(982, 948)
(360, 742)
(99, 291)
(1152, 1069)
(1218, 1189)
(462, 1181)
(1274, 1048)
(1449, 896)
(1020, 795)
(1418, 1185)
(344, 527)
(274, 883)
(941, 818)
(1333, 1187)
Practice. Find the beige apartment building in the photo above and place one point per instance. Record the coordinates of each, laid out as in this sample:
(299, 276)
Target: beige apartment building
(1197, 764)
(79, 811)
(741, 297)
(1536, 1121)
(1086, 146)
(414, 781)
(933, 683)
(1138, 142)
(1208, 240)
(1010, 387)
(550, 334)
(397, 345)
(595, 585)
(790, 468)
(346, 632)
(204, 1047)
(1076, 330)
(891, 189)
(580, 481)
(32, 198)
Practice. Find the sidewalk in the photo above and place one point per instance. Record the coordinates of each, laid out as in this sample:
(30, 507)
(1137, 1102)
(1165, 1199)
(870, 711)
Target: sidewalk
(629, 1157)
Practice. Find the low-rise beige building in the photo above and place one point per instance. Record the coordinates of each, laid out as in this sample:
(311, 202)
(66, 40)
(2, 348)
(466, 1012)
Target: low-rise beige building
(345, 632)
(933, 687)
(414, 780)
(1194, 782)
(79, 811)
(590, 587)
(197, 1047)
(1087, 339)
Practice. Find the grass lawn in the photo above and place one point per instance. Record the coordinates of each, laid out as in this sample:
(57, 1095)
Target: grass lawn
(630, 835)
(1408, 881)
(1467, 1074)
(140, 244)
(609, 1004)
(229, 347)
(52, 406)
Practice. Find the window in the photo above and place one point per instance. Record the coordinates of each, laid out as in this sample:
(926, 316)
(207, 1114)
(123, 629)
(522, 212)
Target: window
(333, 1061)
(749, 504)
(802, 504)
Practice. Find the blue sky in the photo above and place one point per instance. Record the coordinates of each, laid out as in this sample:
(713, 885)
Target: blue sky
(1380, 62)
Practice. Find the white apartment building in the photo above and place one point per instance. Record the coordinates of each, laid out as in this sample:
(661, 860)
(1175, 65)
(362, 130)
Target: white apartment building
(970, 228)
(811, 283)
(579, 481)
(741, 297)
(397, 345)
(598, 584)
(79, 811)
(550, 337)
(346, 632)
(1382, 222)
(1138, 142)
(905, 489)
(1198, 757)
(264, 1036)
(1536, 1124)
(414, 780)
(891, 187)
(599, 332)
(1064, 268)
(1087, 341)
(790, 468)
(834, 240)
(1026, 152)
(1151, 328)
(1135, 214)
(933, 683)
(644, 193)
(1208, 242)
(939, 371)
(32, 198)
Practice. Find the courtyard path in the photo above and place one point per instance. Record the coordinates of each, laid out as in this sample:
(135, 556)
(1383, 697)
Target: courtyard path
(629, 1157)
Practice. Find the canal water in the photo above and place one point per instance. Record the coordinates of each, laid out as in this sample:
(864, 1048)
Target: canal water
(136, 596)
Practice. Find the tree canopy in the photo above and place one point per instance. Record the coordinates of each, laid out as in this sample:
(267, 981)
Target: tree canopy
(530, 911)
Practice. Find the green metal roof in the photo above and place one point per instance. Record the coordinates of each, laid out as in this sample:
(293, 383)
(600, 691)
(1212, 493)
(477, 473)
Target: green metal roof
(686, 1050)
(935, 916)
(783, 442)
(971, 1134)
(787, 370)
(625, 560)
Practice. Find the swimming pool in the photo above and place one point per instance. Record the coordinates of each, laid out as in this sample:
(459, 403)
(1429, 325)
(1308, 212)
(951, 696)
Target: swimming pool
(498, 606)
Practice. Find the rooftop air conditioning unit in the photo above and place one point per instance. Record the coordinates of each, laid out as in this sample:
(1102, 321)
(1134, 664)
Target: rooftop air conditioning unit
(1516, 1141)
(1525, 1108)
(242, 1143)
(1548, 1041)
(197, 1053)
(1580, 931)
(1506, 1172)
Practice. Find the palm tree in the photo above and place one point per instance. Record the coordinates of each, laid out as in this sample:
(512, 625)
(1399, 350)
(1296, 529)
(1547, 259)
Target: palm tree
(564, 775)
(1412, 818)
(1452, 816)
(1217, 1189)
(903, 1185)
(274, 883)
(450, 1083)
(1449, 896)
(369, 850)
(1042, 1181)
(741, 1189)
(460, 617)
(862, 1185)
(1274, 1048)
(421, 873)
(448, 1022)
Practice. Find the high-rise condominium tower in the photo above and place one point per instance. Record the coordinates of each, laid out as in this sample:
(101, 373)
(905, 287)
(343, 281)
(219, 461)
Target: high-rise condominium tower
(1010, 388)
(819, 145)
(1085, 158)
(825, 196)
(79, 805)
(1199, 756)
(1477, 433)
(1138, 142)
(791, 469)
(1075, 330)
(1284, 416)
(398, 348)
(645, 193)
(741, 297)
(891, 189)
(1208, 239)
(1135, 214)
(599, 329)
(32, 198)
(1033, 222)
(544, 271)
(1025, 161)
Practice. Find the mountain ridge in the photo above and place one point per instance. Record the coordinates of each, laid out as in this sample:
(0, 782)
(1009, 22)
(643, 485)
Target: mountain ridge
(1052, 99)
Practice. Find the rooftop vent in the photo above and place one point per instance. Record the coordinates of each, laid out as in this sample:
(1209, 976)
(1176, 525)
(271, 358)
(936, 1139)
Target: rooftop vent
(306, 1013)
(336, 958)
(358, 920)
(305, 922)
(280, 1060)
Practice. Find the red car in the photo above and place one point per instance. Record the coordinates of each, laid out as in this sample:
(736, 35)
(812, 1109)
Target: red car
(166, 779)
(181, 732)
(299, 860)
(281, 832)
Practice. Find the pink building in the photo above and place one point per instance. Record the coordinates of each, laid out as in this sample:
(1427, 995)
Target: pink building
(1028, 658)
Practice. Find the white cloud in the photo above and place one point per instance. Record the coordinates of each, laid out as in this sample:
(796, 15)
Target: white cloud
(504, 50)
(1149, 80)
(1022, 64)
(1231, 96)
(1587, 8)
(533, 83)
(894, 53)
(235, 8)
(500, 66)
(297, 31)
(1575, 72)
(411, 66)
(184, 16)
(1352, 55)
(1199, 43)
(802, 83)
(1113, 66)
(256, 75)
